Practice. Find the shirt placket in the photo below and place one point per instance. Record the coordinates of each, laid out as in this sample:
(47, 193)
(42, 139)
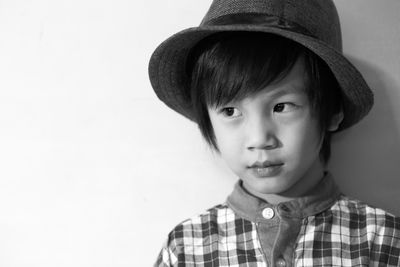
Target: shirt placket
(277, 233)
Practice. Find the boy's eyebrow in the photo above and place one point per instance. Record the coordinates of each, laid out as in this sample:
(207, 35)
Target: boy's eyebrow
(291, 89)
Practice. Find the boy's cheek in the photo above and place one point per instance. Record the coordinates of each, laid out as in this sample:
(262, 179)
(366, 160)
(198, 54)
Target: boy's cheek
(228, 143)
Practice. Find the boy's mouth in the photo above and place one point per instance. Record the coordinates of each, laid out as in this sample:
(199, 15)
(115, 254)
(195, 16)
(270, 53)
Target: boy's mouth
(266, 168)
(265, 164)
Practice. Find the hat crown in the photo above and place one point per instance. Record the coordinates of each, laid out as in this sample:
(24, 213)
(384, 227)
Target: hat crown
(318, 18)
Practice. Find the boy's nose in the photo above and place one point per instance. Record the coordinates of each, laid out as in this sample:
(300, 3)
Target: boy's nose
(261, 135)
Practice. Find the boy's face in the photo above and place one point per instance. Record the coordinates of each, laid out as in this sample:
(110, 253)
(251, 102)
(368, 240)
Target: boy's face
(271, 140)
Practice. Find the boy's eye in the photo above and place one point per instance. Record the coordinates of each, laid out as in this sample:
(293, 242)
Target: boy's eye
(230, 112)
(284, 107)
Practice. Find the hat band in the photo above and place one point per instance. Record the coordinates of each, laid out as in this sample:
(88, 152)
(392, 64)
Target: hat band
(256, 19)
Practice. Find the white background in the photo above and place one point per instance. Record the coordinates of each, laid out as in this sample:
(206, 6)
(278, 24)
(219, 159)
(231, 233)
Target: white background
(95, 171)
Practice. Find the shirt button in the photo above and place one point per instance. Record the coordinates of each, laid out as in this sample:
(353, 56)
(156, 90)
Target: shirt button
(268, 213)
(281, 262)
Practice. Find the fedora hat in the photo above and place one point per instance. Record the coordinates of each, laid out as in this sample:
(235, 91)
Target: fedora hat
(313, 24)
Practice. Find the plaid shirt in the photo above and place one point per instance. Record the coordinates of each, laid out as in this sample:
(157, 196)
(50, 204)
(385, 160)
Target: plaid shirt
(325, 228)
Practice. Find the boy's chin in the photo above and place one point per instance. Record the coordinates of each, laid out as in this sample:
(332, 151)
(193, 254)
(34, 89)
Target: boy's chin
(267, 186)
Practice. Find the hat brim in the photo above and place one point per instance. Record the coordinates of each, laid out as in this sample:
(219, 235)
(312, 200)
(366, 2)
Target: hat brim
(167, 69)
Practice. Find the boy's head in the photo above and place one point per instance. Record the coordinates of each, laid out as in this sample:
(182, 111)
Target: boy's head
(227, 81)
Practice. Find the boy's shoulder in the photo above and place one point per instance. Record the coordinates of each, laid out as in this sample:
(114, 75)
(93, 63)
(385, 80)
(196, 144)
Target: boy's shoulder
(218, 214)
(352, 206)
(208, 226)
(357, 214)
(207, 234)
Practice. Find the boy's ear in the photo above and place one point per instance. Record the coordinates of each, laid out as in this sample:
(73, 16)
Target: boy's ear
(335, 121)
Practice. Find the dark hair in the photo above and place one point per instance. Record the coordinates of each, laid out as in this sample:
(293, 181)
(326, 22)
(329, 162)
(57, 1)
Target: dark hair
(232, 65)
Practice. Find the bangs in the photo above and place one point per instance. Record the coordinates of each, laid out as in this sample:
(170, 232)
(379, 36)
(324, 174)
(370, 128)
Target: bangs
(231, 66)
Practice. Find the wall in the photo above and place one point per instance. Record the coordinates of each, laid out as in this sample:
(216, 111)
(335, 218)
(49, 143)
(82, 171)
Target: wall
(94, 170)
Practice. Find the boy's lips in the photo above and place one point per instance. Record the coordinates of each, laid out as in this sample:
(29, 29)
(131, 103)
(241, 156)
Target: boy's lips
(265, 164)
(265, 168)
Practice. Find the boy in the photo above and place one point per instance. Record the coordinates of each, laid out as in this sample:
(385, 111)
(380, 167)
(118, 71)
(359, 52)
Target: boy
(267, 84)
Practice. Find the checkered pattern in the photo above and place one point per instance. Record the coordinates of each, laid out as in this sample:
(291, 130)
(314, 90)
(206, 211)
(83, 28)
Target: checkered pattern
(349, 233)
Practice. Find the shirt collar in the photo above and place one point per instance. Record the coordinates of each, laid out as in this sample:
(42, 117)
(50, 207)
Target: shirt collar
(317, 200)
